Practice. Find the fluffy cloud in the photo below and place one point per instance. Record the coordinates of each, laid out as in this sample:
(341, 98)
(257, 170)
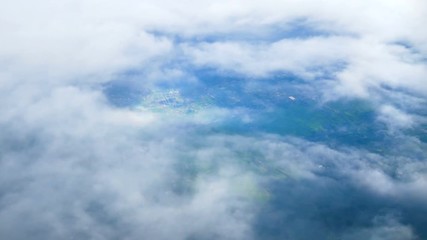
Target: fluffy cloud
(316, 191)
(99, 177)
(355, 64)
(74, 167)
(92, 40)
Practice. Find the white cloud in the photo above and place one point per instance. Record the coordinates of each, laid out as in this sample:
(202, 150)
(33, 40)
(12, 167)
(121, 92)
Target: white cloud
(75, 38)
(395, 118)
(296, 56)
(75, 167)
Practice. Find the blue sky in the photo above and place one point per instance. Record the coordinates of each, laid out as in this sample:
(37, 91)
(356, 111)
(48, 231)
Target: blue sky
(213, 120)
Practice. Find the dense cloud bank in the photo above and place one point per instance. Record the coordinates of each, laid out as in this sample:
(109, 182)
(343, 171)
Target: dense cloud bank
(74, 165)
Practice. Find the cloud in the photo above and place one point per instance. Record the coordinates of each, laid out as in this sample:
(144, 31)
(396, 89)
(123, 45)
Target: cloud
(295, 56)
(92, 40)
(385, 227)
(75, 165)
(314, 190)
(95, 172)
(355, 65)
(395, 118)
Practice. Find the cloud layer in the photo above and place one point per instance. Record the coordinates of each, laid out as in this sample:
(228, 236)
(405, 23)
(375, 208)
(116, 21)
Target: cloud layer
(75, 164)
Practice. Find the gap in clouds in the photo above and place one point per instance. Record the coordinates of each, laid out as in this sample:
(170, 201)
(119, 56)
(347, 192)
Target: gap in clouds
(263, 105)
(358, 173)
(326, 199)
